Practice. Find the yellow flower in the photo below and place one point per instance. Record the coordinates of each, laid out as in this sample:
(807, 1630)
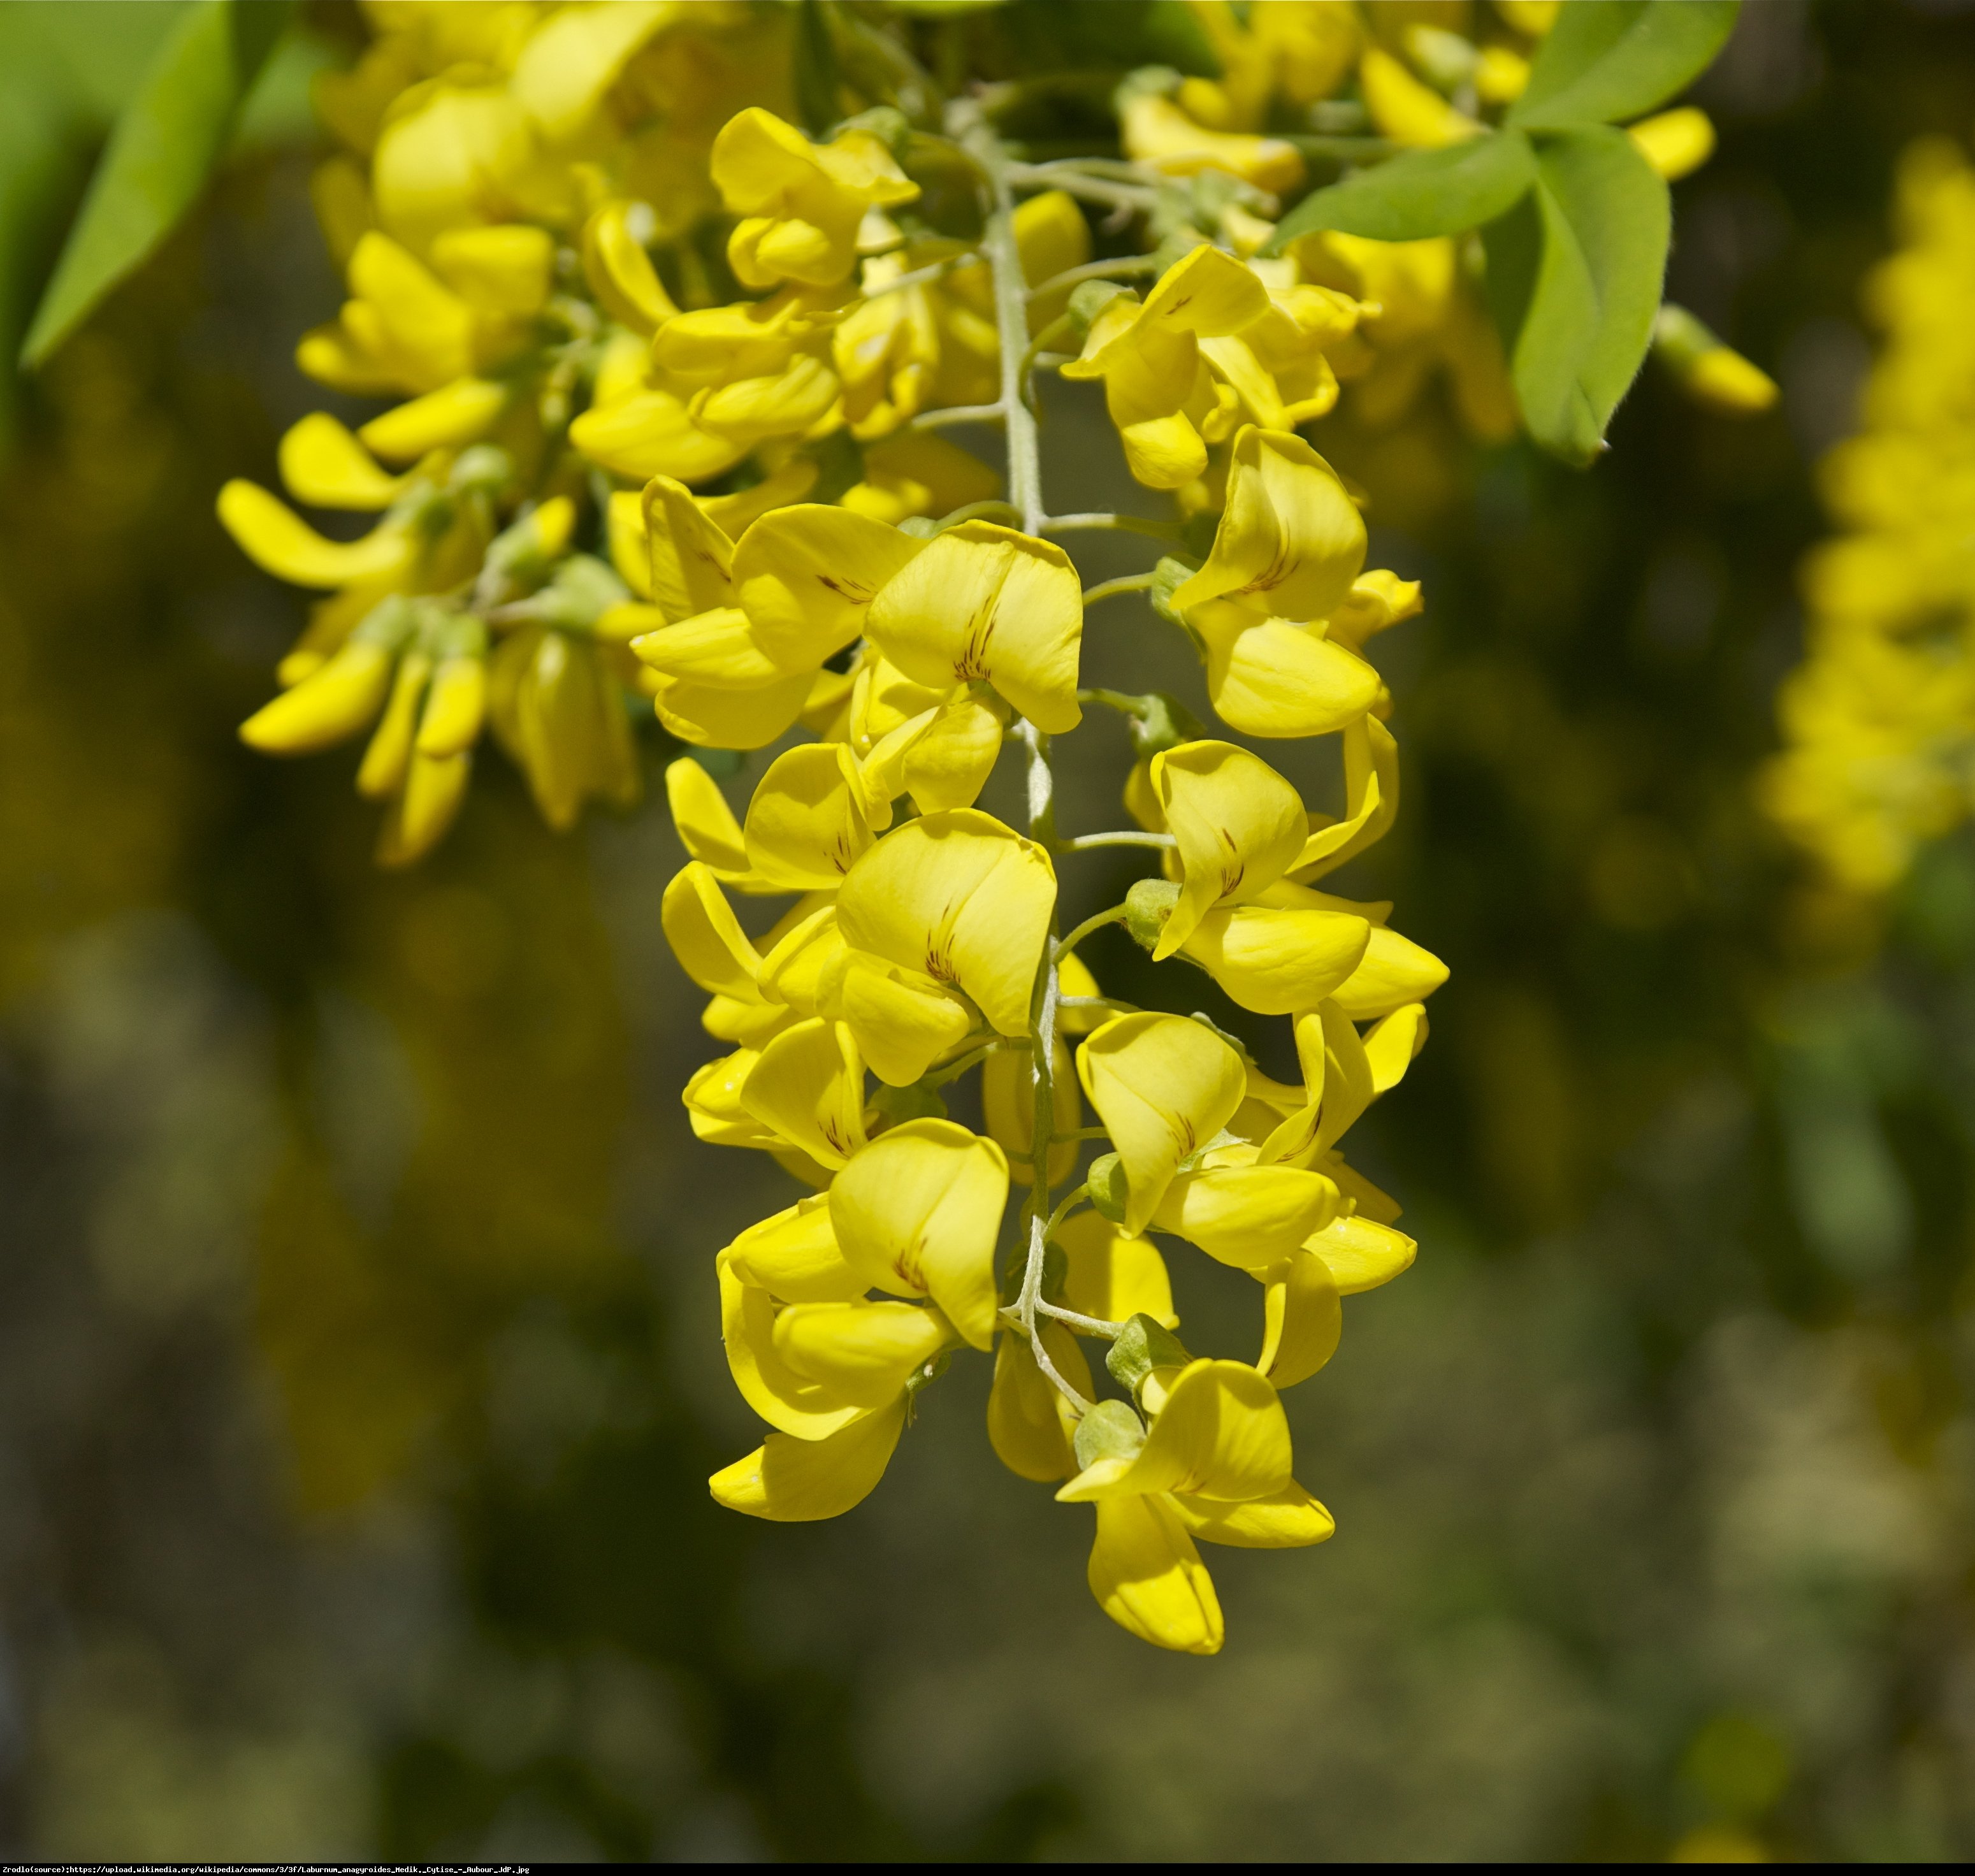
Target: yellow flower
(1406, 110)
(1030, 1424)
(917, 1213)
(1158, 134)
(1302, 1317)
(1675, 143)
(807, 1089)
(1215, 1464)
(795, 1481)
(984, 604)
(1238, 825)
(1161, 395)
(801, 201)
(917, 472)
(1111, 1275)
(1240, 1213)
(1286, 556)
(1164, 1086)
(962, 899)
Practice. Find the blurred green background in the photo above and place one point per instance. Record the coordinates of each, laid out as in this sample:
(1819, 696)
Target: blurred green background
(358, 1364)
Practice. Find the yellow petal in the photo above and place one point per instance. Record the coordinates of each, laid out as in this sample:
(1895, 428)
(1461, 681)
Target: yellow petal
(323, 464)
(949, 765)
(1406, 110)
(337, 700)
(793, 1256)
(806, 824)
(506, 269)
(808, 1087)
(620, 272)
(456, 709)
(712, 1097)
(917, 1213)
(1675, 143)
(450, 418)
(805, 963)
(434, 789)
(691, 560)
(1163, 1085)
(1238, 824)
(984, 604)
(797, 1481)
(1289, 542)
(1302, 1318)
(1029, 1423)
(1391, 1047)
(1371, 798)
(1220, 1434)
(1394, 972)
(1360, 1254)
(792, 1402)
(574, 57)
(425, 325)
(1158, 133)
(381, 773)
(1268, 678)
(650, 433)
(1148, 1578)
(904, 1023)
(807, 575)
(718, 716)
(1276, 961)
(706, 938)
(1250, 1216)
(1073, 979)
(962, 898)
(1112, 1277)
(863, 1351)
(1284, 1520)
(707, 828)
(275, 538)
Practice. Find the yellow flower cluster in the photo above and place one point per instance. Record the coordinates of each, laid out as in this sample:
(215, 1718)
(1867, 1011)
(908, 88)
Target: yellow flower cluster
(672, 376)
(1879, 722)
(923, 945)
(591, 258)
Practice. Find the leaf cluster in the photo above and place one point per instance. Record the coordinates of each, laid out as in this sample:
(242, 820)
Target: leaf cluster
(1573, 221)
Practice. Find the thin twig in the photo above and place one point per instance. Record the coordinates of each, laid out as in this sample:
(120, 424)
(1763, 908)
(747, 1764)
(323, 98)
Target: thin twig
(1120, 837)
(1096, 922)
(959, 413)
(1093, 1325)
(1127, 524)
(1125, 266)
(1125, 583)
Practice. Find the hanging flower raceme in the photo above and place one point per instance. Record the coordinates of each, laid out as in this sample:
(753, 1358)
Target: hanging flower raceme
(1879, 722)
(661, 459)
(921, 941)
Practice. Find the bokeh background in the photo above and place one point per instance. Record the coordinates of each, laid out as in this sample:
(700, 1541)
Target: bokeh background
(358, 1364)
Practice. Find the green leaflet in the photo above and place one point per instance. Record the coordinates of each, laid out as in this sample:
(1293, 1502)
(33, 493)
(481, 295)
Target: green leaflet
(1574, 279)
(1619, 58)
(163, 149)
(1420, 193)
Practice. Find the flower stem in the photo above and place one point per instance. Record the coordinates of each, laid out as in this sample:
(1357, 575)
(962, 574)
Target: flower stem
(1096, 922)
(1125, 583)
(1123, 837)
(1127, 524)
(1011, 321)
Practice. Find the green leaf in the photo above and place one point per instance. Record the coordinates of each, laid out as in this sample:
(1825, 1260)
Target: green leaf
(1619, 58)
(1421, 194)
(1574, 279)
(163, 149)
